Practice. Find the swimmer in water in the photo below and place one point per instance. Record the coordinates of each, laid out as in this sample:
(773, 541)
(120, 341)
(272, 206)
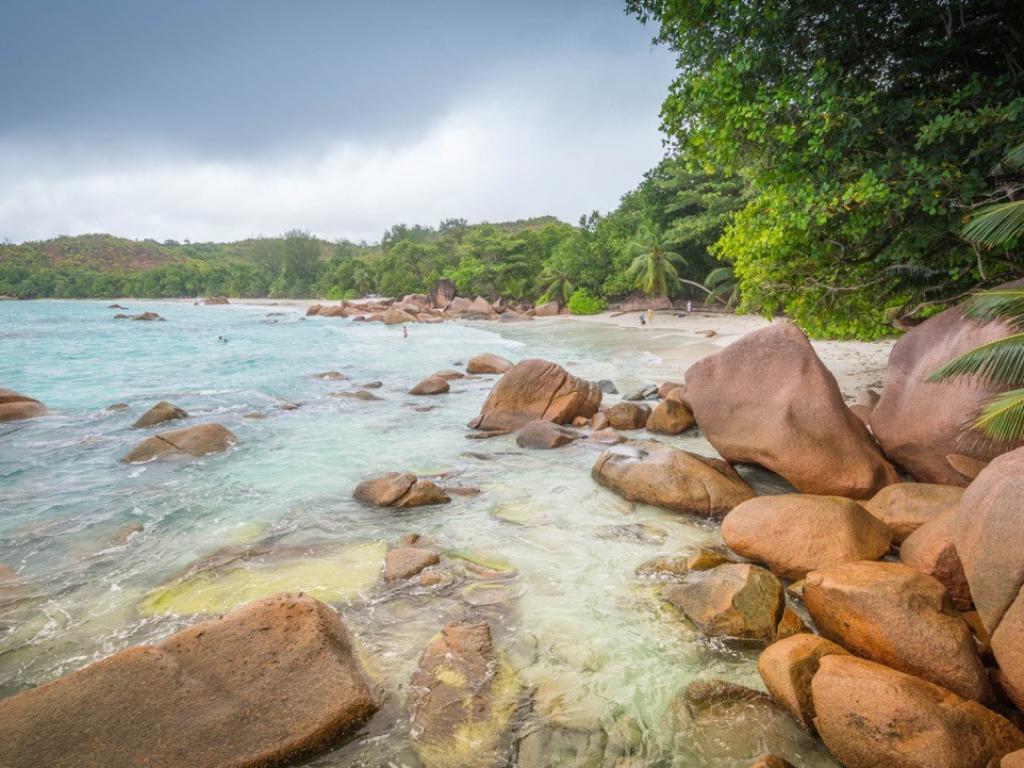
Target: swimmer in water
(405, 332)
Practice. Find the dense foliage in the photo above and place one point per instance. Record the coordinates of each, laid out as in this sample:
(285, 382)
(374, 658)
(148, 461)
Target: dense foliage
(866, 132)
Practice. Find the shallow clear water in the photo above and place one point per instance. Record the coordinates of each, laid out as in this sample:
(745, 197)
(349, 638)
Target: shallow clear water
(599, 649)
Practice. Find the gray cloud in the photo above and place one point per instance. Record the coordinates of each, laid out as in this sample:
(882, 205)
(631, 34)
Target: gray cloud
(246, 124)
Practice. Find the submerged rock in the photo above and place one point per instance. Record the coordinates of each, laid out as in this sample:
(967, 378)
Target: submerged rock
(869, 715)
(159, 413)
(536, 389)
(920, 423)
(330, 376)
(15, 406)
(405, 562)
(334, 574)
(488, 363)
(796, 533)
(657, 474)
(890, 613)
(735, 600)
(545, 434)
(359, 394)
(399, 489)
(904, 507)
(462, 700)
(767, 399)
(272, 681)
(199, 440)
(717, 723)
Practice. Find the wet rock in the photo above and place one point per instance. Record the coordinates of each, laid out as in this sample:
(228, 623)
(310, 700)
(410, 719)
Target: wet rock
(269, 682)
(200, 440)
(598, 422)
(146, 316)
(371, 385)
(657, 474)
(919, 423)
(673, 567)
(117, 406)
(159, 413)
(14, 406)
(767, 399)
(432, 385)
(869, 716)
(359, 394)
(448, 375)
(215, 300)
(313, 309)
(716, 723)
(635, 533)
(904, 507)
(787, 666)
(890, 613)
(536, 389)
(733, 600)
(406, 562)
(462, 700)
(648, 392)
(670, 417)
(545, 434)
(796, 533)
(932, 551)
(394, 316)
(399, 489)
(330, 376)
(115, 306)
(488, 363)
(607, 386)
(771, 761)
(124, 533)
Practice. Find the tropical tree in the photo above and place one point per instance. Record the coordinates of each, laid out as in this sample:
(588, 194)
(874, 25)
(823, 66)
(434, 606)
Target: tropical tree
(556, 281)
(723, 285)
(653, 266)
(1000, 362)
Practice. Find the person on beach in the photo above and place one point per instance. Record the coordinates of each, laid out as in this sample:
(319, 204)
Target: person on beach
(642, 321)
(689, 306)
(650, 315)
(405, 332)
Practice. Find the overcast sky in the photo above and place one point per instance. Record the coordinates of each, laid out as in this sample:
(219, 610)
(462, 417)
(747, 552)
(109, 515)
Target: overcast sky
(223, 119)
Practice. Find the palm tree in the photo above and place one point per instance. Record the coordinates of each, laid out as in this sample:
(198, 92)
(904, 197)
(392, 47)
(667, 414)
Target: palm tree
(1000, 362)
(557, 283)
(1000, 224)
(724, 285)
(653, 268)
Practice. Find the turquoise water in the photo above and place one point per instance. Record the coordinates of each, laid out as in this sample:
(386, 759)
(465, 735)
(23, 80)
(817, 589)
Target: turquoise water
(566, 606)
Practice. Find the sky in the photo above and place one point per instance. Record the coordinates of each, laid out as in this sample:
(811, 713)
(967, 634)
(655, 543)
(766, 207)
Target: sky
(225, 119)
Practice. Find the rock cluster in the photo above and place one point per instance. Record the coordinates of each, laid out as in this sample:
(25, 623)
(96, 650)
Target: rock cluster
(399, 490)
(536, 389)
(15, 406)
(199, 440)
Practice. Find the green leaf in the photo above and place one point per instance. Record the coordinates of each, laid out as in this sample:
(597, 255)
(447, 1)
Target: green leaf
(996, 225)
(1000, 361)
(1002, 419)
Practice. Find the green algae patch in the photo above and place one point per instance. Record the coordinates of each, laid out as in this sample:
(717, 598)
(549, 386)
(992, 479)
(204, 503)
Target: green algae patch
(489, 560)
(331, 574)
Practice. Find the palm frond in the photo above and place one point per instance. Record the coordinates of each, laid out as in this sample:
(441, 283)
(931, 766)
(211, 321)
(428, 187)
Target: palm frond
(1014, 157)
(718, 276)
(1003, 418)
(996, 224)
(1000, 304)
(1000, 361)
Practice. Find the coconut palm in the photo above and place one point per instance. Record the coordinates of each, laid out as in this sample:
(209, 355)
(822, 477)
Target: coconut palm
(723, 286)
(653, 269)
(557, 284)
